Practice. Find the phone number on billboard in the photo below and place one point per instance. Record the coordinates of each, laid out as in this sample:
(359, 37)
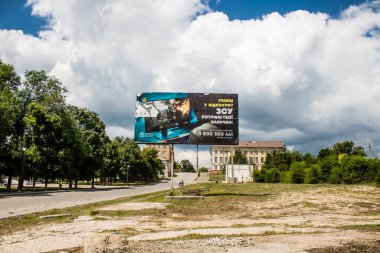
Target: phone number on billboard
(215, 133)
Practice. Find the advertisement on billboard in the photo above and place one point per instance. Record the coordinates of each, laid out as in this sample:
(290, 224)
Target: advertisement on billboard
(187, 118)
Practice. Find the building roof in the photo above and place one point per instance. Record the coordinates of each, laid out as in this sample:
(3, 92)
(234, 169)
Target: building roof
(257, 144)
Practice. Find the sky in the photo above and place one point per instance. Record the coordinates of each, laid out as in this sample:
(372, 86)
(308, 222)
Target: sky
(307, 72)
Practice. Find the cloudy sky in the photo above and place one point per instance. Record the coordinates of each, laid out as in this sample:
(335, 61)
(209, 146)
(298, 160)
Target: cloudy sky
(307, 72)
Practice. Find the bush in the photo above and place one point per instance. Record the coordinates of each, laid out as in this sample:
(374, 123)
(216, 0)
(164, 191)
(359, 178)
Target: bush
(298, 172)
(286, 177)
(272, 176)
(335, 176)
(313, 175)
(259, 175)
(327, 164)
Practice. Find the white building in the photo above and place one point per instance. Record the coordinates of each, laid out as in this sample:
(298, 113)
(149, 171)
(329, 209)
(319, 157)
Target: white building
(255, 151)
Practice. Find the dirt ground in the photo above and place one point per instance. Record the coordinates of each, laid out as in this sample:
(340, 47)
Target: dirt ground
(305, 219)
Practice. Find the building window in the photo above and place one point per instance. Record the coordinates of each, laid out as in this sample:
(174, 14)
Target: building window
(257, 159)
(216, 158)
(262, 159)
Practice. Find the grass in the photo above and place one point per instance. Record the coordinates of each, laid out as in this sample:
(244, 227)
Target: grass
(363, 227)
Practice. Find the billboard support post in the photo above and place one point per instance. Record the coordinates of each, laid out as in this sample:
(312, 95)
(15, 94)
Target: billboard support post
(198, 172)
(172, 165)
(232, 166)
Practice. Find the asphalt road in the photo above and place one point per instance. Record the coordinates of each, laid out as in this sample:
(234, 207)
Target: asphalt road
(30, 202)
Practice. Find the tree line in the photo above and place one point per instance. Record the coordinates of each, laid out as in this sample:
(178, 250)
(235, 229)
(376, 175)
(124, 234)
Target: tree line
(342, 163)
(44, 138)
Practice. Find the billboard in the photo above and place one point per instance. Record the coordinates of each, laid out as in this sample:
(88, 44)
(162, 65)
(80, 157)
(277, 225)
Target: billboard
(187, 118)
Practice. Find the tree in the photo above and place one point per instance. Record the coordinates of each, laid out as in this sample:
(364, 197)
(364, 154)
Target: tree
(187, 166)
(9, 88)
(309, 159)
(130, 160)
(44, 134)
(279, 160)
(239, 157)
(45, 95)
(348, 148)
(323, 153)
(152, 165)
(93, 134)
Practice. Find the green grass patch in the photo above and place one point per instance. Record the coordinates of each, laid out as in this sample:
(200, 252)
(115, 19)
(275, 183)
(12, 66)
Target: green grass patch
(363, 227)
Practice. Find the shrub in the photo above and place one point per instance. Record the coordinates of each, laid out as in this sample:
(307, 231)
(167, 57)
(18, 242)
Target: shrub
(286, 177)
(272, 176)
(259, 175)
(298, 172)
(313, 174)
(335, 176)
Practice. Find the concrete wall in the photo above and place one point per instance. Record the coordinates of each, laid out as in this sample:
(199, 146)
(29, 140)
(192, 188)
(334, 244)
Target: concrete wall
(242, 173)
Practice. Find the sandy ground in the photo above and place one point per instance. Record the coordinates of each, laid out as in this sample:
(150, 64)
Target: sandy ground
(290, 222)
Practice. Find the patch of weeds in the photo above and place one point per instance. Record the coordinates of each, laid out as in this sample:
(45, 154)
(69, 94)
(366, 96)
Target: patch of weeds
(364, 204)
(251, 225)
(310, 204)
(362, 227)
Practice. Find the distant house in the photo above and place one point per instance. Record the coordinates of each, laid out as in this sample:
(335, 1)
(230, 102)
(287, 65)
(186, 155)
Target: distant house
(255, 151)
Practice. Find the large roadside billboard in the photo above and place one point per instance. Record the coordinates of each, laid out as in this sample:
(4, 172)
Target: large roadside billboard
(187, 118)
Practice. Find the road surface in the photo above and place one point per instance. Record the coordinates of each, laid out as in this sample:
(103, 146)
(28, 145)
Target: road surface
(24, 203)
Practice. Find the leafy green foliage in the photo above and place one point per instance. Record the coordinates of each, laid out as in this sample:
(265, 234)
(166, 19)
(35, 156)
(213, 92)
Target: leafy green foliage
(239, 157)
(342, 163)
(43, 137)
(187, 166)
(298, 172)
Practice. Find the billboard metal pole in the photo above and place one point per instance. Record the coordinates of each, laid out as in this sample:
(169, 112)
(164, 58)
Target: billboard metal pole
(232, 166)
(172, 164)
(198, 172)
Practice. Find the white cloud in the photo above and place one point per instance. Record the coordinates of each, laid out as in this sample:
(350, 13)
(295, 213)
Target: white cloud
(191, 155)
(303, 78)
(114, 131)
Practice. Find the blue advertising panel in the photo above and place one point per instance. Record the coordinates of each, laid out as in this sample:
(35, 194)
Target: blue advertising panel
(187, 118)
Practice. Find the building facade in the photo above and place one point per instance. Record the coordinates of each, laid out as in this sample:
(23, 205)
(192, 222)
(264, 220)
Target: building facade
(255, 152)
(164, 154)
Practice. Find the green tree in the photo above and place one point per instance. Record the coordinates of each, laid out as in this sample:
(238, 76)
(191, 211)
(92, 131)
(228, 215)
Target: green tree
(323, 153)
(309, 159)
(279, 160)
(131, 161)
(93, 134)
(348, 148)
(239, 157)
(9, 89)
(187, 166)
(152, 165)
(44, 134)
(112, 160)
(43, 94)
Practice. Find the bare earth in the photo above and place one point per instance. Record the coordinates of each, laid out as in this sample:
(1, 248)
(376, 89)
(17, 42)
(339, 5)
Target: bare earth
(297, 221)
